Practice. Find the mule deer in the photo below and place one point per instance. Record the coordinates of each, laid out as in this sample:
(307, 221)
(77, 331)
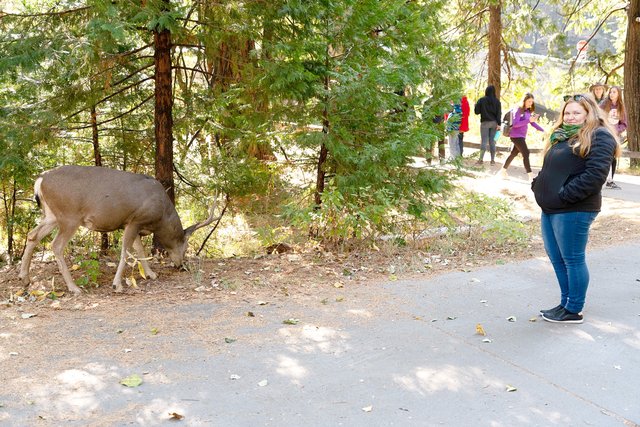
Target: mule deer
(103, 199)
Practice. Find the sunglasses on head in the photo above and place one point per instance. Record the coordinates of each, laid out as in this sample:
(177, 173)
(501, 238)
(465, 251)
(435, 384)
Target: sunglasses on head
(577, 98)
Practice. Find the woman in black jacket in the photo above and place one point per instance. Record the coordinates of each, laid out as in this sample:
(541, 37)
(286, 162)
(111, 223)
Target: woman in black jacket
(568, 189)
(490, 112)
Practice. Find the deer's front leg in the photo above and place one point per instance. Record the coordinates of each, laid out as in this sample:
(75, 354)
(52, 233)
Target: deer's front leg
(128, 237)
(139, 248)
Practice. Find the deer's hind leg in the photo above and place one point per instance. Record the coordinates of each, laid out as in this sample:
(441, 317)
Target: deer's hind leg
(65, 233)
(46, 226)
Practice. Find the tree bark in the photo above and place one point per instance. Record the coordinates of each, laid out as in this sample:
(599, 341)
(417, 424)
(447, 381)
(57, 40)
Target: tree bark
(495, 45)
(164, 111)
(632, 78)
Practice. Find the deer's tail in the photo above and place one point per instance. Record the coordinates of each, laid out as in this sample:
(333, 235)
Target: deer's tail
(36, 190)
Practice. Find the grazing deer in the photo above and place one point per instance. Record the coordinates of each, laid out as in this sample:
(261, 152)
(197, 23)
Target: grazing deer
(103, 199)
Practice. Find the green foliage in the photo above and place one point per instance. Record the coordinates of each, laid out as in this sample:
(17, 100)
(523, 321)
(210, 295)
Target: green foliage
(489, 218)
(90, 267)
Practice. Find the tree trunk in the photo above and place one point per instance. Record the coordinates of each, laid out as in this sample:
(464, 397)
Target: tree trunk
(97, 159)
(324, 152)
(495, 45)
(632, 78)
(10, 209)
(163, 111)
(163, 116)
(322, 159)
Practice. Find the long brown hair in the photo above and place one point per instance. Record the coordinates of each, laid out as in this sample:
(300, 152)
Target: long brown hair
(524, 101)
(595, 119)
(607, 104)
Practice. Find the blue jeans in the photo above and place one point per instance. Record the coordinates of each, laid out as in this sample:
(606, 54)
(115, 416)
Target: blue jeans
(565, 238)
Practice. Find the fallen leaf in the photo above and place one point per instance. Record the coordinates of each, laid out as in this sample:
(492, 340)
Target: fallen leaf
(480, 330)
(263, 383)
(533, 319)
(74, 267)
(28, 315)
(451, 317)
(143, 274)
(262, 303)
(131, 281)
(291, 321)
(175, 416)
(511, 388)
(112, 264)
(368, 408)
(487, 340)
(132, 380)
(250, 314)
(338, 285)
(230, 340)
(511, 318)
(154, 331)
(234, 377)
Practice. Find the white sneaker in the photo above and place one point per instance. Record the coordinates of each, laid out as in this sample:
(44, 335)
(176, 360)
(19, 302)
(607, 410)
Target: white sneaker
(502, 173)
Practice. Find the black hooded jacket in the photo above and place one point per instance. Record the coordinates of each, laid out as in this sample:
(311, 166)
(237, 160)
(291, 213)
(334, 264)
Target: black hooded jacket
(570, 183)
(489, 106)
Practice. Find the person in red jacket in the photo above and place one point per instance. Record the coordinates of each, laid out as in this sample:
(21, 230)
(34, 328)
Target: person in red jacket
(464, 125)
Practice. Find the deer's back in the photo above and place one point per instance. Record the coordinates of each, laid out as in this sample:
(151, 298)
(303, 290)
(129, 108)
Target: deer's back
(103, 199)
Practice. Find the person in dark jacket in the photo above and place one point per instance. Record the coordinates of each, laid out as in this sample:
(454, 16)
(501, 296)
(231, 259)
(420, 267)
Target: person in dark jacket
(490, 112)
(576, 163)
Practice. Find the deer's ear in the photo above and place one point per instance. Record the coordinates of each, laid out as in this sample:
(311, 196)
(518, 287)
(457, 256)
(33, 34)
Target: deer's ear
(189, 231)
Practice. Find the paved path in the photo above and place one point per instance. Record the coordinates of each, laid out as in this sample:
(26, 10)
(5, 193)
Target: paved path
(402, 353)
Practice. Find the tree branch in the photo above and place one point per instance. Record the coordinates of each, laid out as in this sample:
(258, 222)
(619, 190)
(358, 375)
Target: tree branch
(37, 15)
(573, 63)
(116, 117)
